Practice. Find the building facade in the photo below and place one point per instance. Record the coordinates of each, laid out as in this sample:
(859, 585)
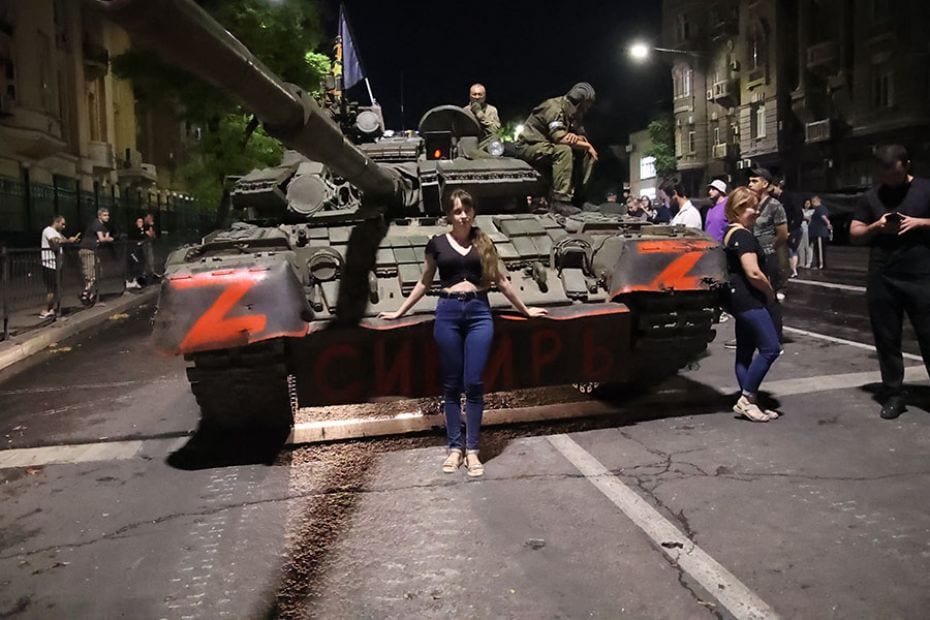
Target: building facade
(68, 126)
(643, 177)
(804, 87)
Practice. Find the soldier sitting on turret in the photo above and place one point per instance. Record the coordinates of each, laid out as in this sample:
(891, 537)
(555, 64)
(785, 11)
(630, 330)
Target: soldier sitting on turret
(554, 136)
(485, 113)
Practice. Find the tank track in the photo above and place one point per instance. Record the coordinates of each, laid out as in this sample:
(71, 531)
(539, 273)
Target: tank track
(245, 388)
(671, 331)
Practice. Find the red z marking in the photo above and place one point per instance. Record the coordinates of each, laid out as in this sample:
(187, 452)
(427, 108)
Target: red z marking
(213, 328)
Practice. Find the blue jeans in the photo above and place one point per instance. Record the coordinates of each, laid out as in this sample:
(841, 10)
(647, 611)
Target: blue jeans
(463, 331)
(755, 330)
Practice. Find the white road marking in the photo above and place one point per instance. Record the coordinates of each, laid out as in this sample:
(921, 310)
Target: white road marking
(86, 452)
(825, 383)
(833, 285)
(850, 343)
(720, 583)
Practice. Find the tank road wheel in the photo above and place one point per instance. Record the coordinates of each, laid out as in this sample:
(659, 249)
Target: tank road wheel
(244, 389)
(672, 331)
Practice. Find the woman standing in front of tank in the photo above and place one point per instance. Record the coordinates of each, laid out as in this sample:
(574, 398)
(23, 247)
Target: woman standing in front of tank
(468, 265)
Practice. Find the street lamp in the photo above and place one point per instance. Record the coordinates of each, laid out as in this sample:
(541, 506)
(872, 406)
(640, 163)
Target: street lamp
(640, 51)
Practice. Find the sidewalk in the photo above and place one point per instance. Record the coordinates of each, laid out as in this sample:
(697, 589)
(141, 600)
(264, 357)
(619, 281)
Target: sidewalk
(30, 334)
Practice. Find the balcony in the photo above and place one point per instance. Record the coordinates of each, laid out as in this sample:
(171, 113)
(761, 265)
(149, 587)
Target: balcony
(133, 171)
(818, 131)
(100, 155)
(725, 151)
(30, 132)
(723, 92)
(822, 57)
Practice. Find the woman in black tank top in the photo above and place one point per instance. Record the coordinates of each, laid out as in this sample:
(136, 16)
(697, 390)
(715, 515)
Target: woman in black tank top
(468, 266)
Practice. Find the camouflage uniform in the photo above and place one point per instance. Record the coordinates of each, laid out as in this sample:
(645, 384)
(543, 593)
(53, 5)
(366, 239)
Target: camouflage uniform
(539, 145)
(488, 119)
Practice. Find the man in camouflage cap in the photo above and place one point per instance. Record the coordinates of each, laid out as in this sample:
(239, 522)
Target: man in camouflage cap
(485, 113)
(553, 136)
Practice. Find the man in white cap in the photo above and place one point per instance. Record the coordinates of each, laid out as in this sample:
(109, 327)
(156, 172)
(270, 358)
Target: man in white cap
(715, 223)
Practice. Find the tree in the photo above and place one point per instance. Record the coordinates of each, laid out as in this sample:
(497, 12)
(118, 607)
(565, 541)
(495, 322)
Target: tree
(662, 134)
(283, 35)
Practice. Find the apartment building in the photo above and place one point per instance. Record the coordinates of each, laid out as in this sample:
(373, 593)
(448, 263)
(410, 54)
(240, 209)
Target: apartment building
(804, 87)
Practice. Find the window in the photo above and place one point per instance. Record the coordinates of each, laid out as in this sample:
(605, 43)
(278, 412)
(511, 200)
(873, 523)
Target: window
(692, 142)
(682, 78)
(757, 50)
(683, 28)
(678, 142)
(48, 82)
(758, 120)
(716, 136)
(734, 133)
(882, 88)
(647, 168)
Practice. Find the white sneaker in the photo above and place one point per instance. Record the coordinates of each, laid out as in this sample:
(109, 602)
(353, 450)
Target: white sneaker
(132, 284)
(47, 314)
(780, 296)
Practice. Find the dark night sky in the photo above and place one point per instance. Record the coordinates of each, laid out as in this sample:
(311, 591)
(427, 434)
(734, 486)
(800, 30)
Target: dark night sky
(523, 51)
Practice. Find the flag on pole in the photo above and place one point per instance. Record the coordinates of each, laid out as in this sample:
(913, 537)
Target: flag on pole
(352, 72)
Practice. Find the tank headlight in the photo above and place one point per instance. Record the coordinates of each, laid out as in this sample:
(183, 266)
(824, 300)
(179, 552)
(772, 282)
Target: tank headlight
(496, 148)
(325, 265)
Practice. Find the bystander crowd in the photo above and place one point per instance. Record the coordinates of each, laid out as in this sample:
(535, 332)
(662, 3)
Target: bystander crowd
(97, 234)
(715, 224)
(686, 214)
(805, 255)
(819, 232)
(894, 219)
(51, 242)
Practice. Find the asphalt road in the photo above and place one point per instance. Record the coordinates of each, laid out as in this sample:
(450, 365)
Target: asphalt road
(674, 510)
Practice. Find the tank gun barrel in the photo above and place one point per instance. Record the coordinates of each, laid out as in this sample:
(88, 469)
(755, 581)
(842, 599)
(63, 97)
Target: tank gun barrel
(183, 34)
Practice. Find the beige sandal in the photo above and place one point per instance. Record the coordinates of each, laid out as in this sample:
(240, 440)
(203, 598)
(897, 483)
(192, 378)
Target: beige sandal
(750, 410)
(473, 464)
(452, 462)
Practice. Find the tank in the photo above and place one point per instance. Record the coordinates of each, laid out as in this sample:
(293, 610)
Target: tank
(280, 310)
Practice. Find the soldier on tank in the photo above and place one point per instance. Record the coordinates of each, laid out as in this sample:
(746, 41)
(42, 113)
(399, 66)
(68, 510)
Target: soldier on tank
(485, 113)
(553, 138)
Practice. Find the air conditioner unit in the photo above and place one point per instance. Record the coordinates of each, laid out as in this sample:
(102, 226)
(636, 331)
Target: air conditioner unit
(710, 94)
(713, 116)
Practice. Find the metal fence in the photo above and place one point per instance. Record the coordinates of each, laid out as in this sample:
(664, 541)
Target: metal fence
(27, 208)
(29, 277)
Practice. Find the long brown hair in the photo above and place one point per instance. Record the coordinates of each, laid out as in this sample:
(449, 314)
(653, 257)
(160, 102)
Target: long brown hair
(737, 201)
(490, 259)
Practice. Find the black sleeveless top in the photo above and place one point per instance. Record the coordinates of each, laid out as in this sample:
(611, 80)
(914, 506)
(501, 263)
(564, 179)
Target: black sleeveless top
(453, 266)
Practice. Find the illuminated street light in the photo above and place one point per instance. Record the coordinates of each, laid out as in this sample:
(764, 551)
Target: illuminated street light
(639, 51)
(517, 131)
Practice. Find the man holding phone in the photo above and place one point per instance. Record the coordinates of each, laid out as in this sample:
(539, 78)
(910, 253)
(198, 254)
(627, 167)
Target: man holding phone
(894, 218)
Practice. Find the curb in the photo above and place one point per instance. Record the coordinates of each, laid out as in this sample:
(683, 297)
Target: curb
(18, 349)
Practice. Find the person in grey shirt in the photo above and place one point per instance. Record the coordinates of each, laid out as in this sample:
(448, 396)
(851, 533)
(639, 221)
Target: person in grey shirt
(771, 228)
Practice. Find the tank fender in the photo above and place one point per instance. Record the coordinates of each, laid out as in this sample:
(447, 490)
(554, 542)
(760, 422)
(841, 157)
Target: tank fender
(225, 308)
(665, 265)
